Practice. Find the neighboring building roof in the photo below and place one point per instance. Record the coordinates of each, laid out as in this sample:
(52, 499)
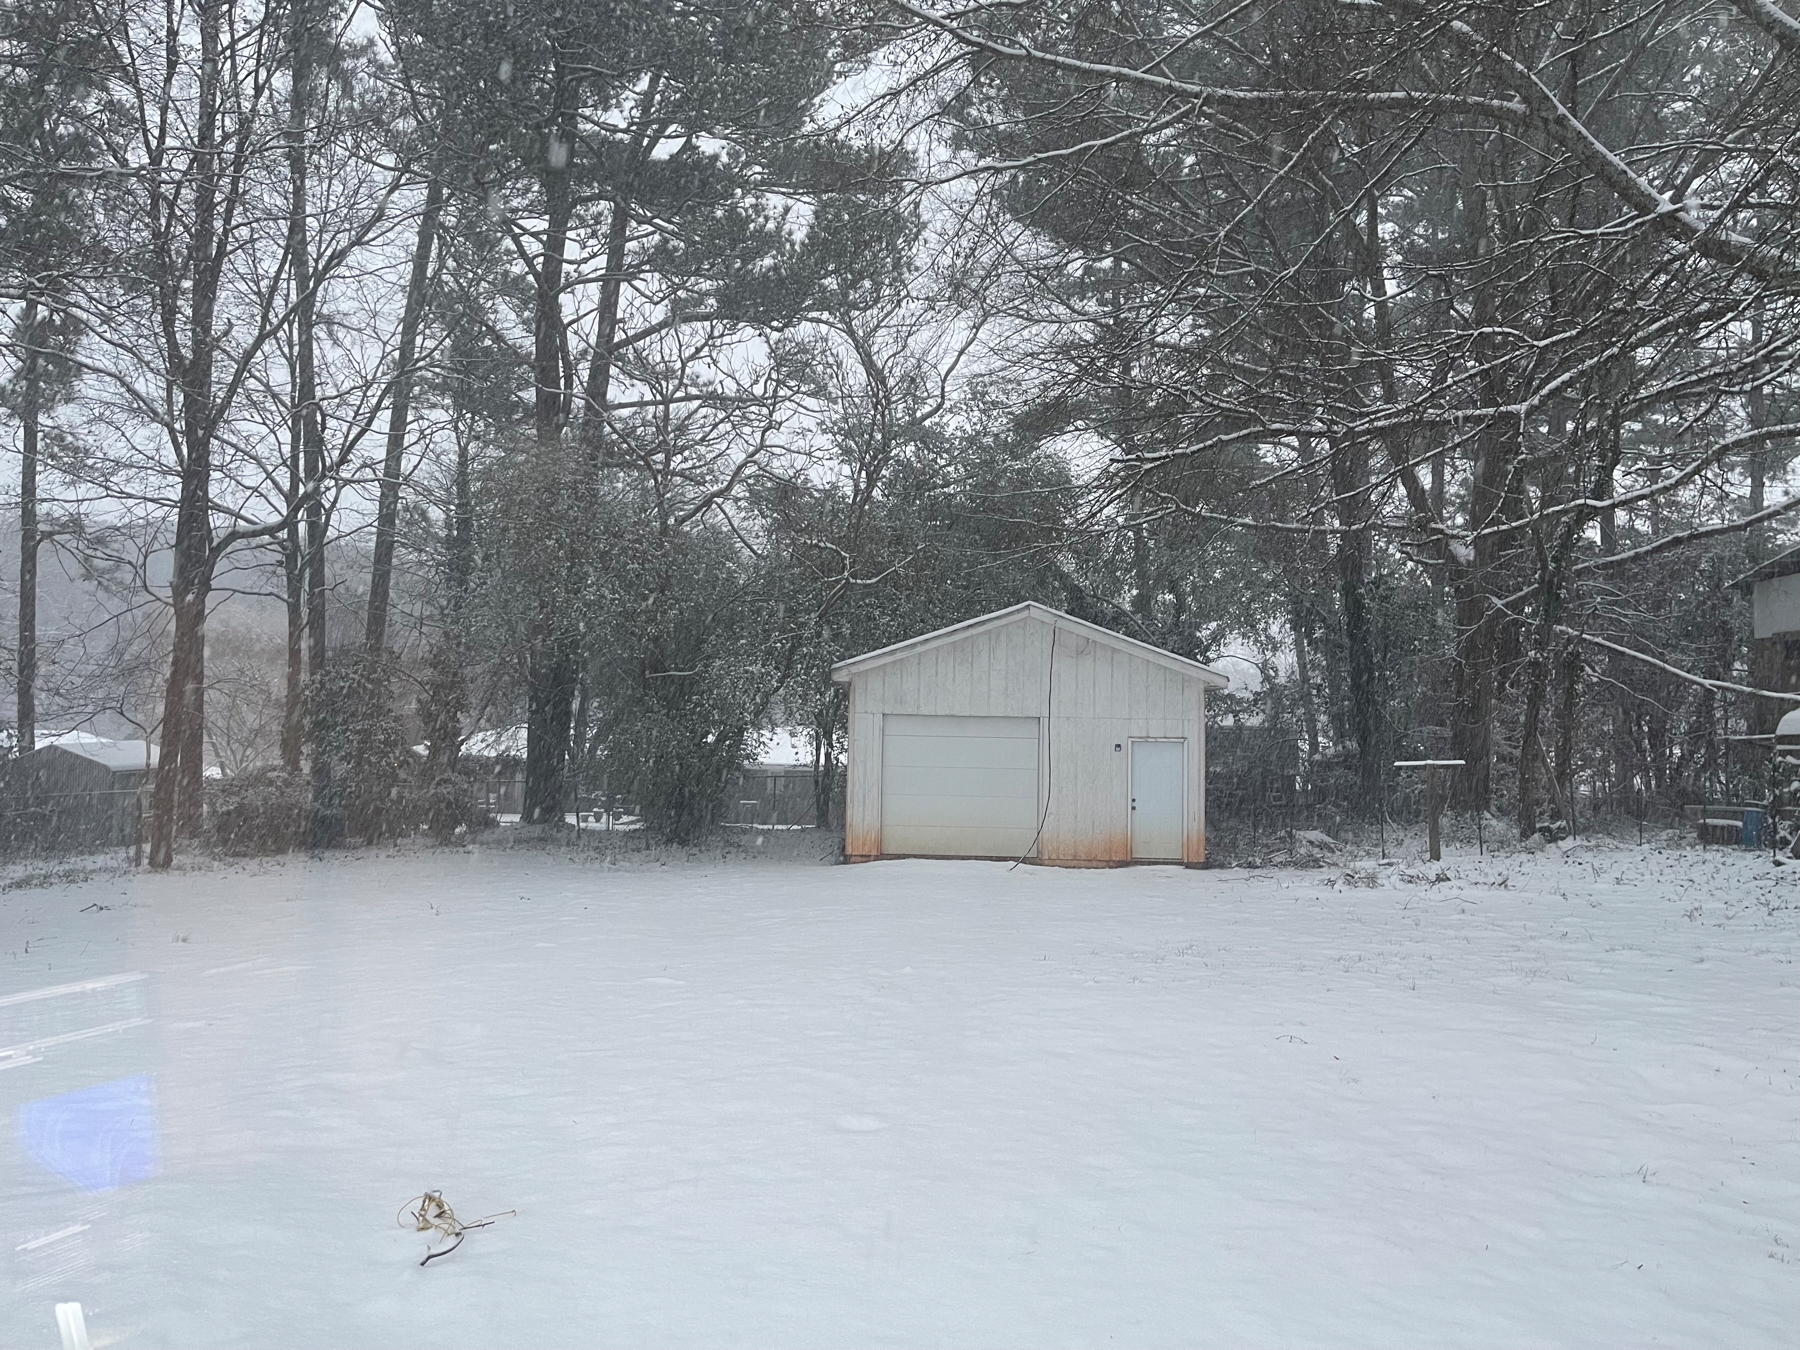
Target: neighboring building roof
(65, 738)
(1000, 618)
(787, 746)
(119, 756)
(504, 743)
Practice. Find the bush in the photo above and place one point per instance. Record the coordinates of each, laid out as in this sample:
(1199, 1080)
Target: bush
(450, 807)
(259, 812)
(355, 733)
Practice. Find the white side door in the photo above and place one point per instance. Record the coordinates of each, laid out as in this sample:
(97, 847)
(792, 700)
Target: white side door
(1158, 800)
(959, 787)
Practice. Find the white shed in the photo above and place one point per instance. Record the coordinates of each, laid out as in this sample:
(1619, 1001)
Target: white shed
(1026, 733)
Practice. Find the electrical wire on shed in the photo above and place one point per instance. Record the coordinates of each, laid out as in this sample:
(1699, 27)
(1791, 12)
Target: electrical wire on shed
(1049, 759)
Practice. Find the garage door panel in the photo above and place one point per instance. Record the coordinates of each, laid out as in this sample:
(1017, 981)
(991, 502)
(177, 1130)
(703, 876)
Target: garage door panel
(938, 753)
(956, 841)
(901, 725)
(959, 786)
(926, 780)
(982, 812)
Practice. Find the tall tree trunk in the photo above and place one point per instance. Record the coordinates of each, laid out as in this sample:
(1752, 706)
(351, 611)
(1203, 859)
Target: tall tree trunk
(190, 818)
(444, 699)
(175, 800)
(189, 632)
(1553, 482)
(1350, 480)
(1758, 407)
(578, 742)
(1479, 625)
(825, 718)
(550, 399)
(550, 711)
(323, 829)
(387, 508)
(1609, 517)
(1473, 694)
(552, 661)
(462, 528)
(598, 391)
(1300, 627)
(29, 417)
(1143, 586)
(1484, 644)
(293, 567)
(597, 397)
(1553, 576)
(1537, 679)
(1565, 731)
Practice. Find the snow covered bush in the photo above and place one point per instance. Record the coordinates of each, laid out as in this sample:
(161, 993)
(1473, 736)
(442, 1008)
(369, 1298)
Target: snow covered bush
(450, 807)
(261, 811)
(356, 737)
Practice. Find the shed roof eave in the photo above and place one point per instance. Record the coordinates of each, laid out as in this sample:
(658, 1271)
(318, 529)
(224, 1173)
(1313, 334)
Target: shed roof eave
(843, 671)
(1784, 564)
(115, 756)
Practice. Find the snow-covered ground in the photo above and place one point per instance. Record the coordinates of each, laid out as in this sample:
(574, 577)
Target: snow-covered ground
(1532, 1100)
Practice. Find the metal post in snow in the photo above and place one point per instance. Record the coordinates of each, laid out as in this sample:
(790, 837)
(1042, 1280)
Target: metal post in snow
(1431, 813)
(1769, 815)
(1433, 803)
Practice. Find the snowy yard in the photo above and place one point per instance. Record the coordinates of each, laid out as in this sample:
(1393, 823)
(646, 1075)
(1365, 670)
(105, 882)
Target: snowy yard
(1539, 1101)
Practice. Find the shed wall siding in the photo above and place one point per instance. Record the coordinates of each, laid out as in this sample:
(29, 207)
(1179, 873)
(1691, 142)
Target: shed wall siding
(1100, 697)
(1775, 606)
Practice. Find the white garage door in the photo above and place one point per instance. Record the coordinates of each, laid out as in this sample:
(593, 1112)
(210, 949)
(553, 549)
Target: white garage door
(960, 787)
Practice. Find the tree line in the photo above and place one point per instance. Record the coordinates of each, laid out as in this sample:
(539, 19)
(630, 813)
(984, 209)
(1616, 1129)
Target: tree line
(614, 368)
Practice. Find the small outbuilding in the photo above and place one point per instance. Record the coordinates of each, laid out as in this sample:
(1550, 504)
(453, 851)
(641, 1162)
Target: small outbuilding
(1026, 733)
(1774, 593)
(780, 790)
(79, 791)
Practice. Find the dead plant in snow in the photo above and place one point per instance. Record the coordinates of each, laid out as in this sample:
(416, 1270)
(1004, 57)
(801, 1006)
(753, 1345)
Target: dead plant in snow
(431, 1213)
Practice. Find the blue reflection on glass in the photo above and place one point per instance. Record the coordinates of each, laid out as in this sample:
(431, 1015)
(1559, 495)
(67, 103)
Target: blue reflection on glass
(98, 1138)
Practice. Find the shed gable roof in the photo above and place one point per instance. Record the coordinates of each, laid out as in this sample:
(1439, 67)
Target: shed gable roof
(1781, 565)
(843, 671)
(118, 756)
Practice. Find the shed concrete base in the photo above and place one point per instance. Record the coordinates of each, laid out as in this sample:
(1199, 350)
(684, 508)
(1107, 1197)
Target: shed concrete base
(1032, 862)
